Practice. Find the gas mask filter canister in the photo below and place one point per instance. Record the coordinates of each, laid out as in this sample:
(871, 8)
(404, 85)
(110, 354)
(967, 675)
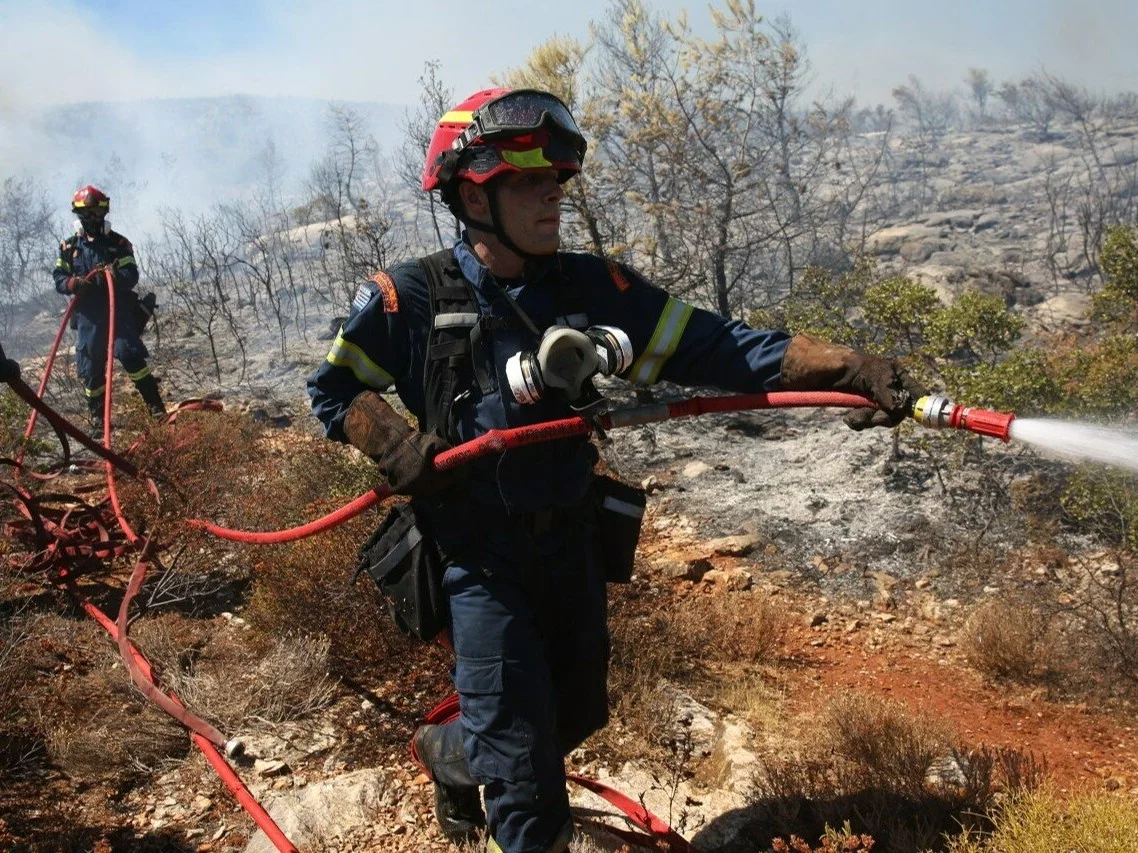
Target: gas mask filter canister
(567, 359)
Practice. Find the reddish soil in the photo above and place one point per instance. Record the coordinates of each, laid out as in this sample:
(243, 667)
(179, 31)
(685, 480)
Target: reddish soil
(1081, 744)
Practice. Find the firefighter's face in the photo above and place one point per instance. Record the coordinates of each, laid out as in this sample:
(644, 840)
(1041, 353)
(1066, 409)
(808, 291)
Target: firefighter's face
(529, 209)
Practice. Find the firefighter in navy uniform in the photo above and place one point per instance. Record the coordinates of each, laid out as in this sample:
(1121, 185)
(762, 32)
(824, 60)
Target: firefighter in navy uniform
(94, 245)
(525, 580)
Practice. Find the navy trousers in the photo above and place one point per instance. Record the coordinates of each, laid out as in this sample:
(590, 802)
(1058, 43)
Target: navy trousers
(91, 351)
(528, 621)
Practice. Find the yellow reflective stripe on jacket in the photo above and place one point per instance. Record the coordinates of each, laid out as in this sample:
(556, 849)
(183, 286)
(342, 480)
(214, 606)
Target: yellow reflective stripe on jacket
(142, 374)
(665, 339)
(532, 159)
(125, 261)
(95, 392)
(346, 354)
(61, 264)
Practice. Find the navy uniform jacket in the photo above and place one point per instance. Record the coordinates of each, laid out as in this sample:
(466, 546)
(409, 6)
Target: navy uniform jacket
(78, 255)
(382, 346)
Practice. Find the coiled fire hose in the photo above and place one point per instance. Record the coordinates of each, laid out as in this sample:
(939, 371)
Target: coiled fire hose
(207, 738)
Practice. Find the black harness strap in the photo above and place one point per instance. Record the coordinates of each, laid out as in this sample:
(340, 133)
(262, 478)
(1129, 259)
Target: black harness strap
(456, 352)
(454, 312)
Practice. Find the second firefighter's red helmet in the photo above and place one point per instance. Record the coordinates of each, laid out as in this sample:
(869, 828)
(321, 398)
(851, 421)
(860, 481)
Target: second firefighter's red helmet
(503, 130)
(90, 198)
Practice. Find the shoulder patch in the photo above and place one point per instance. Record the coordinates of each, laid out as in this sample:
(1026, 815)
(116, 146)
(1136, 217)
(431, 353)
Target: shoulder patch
(620, 275)
(363, 296)
(387, 292)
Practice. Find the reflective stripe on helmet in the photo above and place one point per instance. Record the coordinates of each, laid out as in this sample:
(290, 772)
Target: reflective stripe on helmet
(532, 159)
(669, 329)
(457, 117)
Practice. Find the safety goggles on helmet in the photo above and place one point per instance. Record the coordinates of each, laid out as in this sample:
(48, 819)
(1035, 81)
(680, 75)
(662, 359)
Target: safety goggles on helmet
(520, 112)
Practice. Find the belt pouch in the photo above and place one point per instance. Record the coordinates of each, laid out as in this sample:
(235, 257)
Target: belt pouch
(404, 561)
(620, 513)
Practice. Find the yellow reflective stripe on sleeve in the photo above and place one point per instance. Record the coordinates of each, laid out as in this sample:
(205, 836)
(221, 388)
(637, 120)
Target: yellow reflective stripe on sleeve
(665, 339)
(125, 261)
(458, 117)
(142, 374)
(61, 264)
(95, 392)
(532, 159)
(346, 354)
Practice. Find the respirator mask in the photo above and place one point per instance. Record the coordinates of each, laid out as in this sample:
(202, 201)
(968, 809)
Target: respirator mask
(567, 360)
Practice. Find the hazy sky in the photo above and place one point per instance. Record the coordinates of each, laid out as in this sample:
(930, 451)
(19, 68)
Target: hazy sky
(55, 50)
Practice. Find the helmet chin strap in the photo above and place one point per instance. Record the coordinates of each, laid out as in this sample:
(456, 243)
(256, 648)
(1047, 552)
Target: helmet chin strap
(495, 227)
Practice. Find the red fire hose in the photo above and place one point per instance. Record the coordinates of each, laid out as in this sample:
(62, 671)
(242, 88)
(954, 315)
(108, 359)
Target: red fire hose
(498, 441)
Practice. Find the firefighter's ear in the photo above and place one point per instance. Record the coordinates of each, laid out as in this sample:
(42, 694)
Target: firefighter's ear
(475, 202)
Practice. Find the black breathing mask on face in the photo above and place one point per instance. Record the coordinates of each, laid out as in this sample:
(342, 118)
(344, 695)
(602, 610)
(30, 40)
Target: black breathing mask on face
(567, 360)
(93, 225)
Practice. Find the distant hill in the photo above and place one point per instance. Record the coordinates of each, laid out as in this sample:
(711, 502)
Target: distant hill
(185, 152)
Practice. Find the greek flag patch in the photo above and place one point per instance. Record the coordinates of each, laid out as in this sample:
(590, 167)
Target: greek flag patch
(363, 296)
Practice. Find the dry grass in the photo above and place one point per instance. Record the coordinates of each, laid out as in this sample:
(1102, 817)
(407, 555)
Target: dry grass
(99, 727)
(233, 676)
(304, 587)
(288, 682)
(880, 744)
(1009, 639)
(896, 776)
(753, 698)
(687, 644)
(1041, 822)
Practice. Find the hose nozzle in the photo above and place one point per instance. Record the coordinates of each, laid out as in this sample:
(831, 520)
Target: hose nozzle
(938, 412)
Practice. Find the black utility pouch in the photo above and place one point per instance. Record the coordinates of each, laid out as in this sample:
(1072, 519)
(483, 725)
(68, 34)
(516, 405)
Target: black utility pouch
(143, 309)
(402, 558)
(620, 513)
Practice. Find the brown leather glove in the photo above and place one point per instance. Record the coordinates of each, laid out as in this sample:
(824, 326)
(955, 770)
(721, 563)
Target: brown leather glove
(811, 364)
(402, 453)
(76, 284)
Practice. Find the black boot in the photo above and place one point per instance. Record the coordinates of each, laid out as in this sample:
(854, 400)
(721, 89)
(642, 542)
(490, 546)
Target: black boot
(95, 417)
(458, 807)
(147, 387)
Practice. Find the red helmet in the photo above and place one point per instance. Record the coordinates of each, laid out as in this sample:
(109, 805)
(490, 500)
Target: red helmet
(503, 130)
(90, 198)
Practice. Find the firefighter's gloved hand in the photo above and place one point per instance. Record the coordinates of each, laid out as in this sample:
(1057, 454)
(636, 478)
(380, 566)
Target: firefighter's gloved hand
(404, 455)
(76, 284)
(810, 364)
